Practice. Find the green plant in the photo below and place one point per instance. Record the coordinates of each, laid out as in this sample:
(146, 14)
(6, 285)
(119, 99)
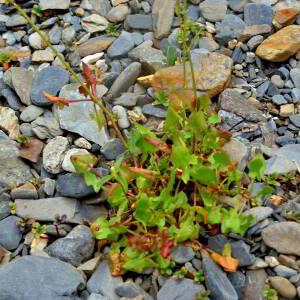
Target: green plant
(5, 58)
(38, 230)
(37, 10)
(22, 140)
(203, 295)
(171, 56)
(199, 276)
(112, 30)
(269, 294)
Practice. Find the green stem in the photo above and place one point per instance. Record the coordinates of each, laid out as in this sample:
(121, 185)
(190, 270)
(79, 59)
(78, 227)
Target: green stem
(97, 101)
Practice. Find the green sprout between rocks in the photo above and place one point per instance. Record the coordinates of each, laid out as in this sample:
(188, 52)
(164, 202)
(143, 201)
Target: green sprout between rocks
(167, 188)
(112, 30)
(268, 293)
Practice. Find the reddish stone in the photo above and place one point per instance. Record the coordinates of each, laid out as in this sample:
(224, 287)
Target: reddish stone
(32, 149)
(285, 16)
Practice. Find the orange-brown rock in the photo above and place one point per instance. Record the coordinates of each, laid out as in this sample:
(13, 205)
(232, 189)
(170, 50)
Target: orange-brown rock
(32, 149)
(281, 45)
(212, 75)
(285, 16)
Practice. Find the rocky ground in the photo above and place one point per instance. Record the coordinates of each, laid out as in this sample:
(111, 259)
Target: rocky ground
(249, 62)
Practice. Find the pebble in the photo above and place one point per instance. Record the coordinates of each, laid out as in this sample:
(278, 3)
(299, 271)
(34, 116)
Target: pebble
(284, 271)
(283, 287)
(67, 164)
(113, 149)
(94, 23)
(139, 22)
(213, 10)
(121, 46)
(118, 14)
(182, 254)
(257, 14)
(295, 76)
(279, 100)
(10, 234)
(121, 115)
(31, 113)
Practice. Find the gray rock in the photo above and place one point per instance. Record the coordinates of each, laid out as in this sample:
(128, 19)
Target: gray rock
(284, 271)
(151, 59)
(102, 7)
(127, 99)
(55, 34)
(95, 45)
(260, 213)
(121, 116)
(285, 160)
(283, 237)
(10, 234)
(125, 80)
(49, 186)
(255, 282)
(54, 153)
(256, 14)
(230, 28)
(68, 34)
(42, 278)
(208, 44)
(162, 15)
(182, 289)
(5, 208)
(217, 242)
(36, 41)
(77, 117)
(255, 41)
(121, 46)
(102, 282)
(130, 290)
(13, 171)
(94, 23)
(238, 280)
(11, 98)
(279, 100)
(16, 20)
(21, 82)
(182, 254)
(231, 100)
(94, 296)
(295, 95)
(156, 111)
(30, 113)
(76, 248)
(118, 13)
(112, 149)
(73, 186)
(46, 127)
(295, 76)
(49, 80)
(139, 22)
(213, 10)
(241, 251)
(295, 119)
(216, 281)
(55, 4)
(237, 5)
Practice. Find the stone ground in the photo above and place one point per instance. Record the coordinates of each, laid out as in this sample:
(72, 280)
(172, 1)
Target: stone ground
(248, 60)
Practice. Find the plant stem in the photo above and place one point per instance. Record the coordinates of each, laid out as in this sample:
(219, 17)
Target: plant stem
(97, 101)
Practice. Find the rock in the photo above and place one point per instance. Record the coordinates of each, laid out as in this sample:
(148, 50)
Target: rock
(55, 34)
(162, 15)
(90, 266)
(125, 80)
(121, 116)
(36, 41)
(153, 110)
(285, 16)
(260, 213)
(241, 251)
(279, 100)
(48, 209)
(83, 143)
(11, 98)
(238, 152)
(25, 191)
(139, 22)
(16, 20)
(131, 290)
(74, 186)
(250, 31)
(32, 149)
(13, 171)
(94, 23)
(46, 127)
(179, 289)
(295, 119)
(255, 282)
(42, 56)
(216, 280)
(50, 279)
(238, 280)
(208, 44)
(284, 271)
(151, 59)
(75, 248)
(77, 117)
(54, 153)
(283, 287)
(103, 282)
(121, 46)
(212, 73)
(112, 149)
(95, 45)
(67, 163)
(49, 80)
(287, 110)
(21, 81)
(49, 186)
(230, 28)
(256, 14)
(255, 41)
(182, 254)
(118, 14)
(9, 122)
(295, 95)
(284, 160)
(283, 237)
(213, 10)
(55, 4)
(281, 45)
(30, 113)
(295, 74)
(10, 234)
(231, 100)
(237, 5)
(5, 208)
(68, 35)
(94, 296)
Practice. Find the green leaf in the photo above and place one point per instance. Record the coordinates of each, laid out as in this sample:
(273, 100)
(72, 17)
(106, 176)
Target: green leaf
(207, 198)
(264, 191)
(171, 56)
(173, 121)
(257, 167)
(204, 175)
(215, 119)
(204, 102)
(214, 215)
(219, 159)
(107, 230)
(160, 98)
(235, 222)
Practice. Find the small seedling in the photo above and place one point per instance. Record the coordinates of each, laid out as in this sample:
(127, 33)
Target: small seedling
(112, 30)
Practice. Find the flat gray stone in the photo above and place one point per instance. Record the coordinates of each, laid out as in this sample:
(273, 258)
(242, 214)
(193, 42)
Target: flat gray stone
(36, 278)
(121, 46)
(10, 234)
(213, 10)
(55, 4)
(77, 117)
